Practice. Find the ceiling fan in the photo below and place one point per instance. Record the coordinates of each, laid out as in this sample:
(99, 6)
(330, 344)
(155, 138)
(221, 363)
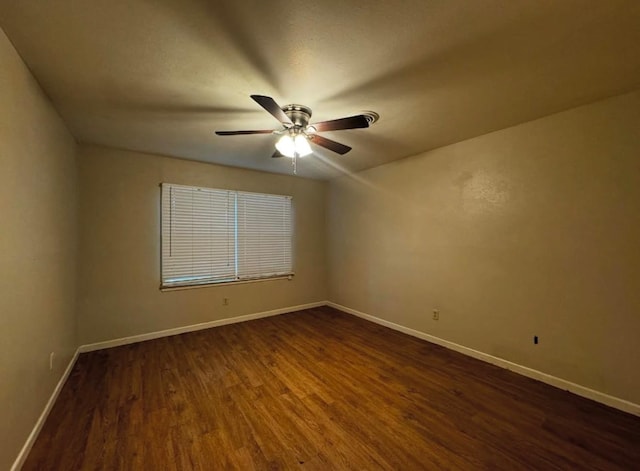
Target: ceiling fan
(296, 132)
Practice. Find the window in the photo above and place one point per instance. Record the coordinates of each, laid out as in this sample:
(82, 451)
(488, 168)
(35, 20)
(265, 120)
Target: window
(214, 236)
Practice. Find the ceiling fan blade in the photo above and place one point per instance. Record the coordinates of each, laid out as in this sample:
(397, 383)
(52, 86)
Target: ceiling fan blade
(352, 122)
(329, 144)
(277, 154)
(272, 107)
(240, 133)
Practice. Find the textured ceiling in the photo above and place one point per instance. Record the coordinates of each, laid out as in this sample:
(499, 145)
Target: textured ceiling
(161, 75)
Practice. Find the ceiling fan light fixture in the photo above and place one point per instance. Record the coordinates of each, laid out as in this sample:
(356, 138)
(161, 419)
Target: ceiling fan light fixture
(289, 146)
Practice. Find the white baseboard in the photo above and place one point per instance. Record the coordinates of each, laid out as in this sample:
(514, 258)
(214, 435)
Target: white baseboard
(192, 328)
(583, 391)
(31, 439)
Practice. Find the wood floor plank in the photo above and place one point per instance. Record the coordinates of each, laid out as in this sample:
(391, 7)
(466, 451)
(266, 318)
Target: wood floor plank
(319, 390)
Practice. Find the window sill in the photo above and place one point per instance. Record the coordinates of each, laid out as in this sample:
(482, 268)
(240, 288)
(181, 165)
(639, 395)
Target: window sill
(225, 283)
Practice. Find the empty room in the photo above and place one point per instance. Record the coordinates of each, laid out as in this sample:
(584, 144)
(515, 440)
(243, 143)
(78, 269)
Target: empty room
(394, 235)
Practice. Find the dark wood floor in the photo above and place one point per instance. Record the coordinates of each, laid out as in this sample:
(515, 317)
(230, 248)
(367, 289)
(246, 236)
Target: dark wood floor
(319, 390)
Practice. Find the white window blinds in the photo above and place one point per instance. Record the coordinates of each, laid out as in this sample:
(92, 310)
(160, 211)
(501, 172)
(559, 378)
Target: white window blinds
(264, 235)
(212, 236)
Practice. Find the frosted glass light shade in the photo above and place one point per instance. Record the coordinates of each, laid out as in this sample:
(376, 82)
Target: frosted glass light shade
(302, 145)
(289, 146)
(286, 146)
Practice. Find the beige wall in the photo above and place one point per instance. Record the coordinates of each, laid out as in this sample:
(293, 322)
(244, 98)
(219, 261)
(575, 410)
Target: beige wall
(120, 245)
(37, 249)
(532, 230)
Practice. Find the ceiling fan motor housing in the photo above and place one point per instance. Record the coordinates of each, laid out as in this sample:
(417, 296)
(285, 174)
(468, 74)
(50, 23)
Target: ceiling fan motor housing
(299, 114)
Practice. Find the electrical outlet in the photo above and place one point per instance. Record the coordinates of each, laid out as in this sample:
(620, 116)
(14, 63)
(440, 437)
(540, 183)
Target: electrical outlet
(436, 314)
(225, 301)
(52, 355)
